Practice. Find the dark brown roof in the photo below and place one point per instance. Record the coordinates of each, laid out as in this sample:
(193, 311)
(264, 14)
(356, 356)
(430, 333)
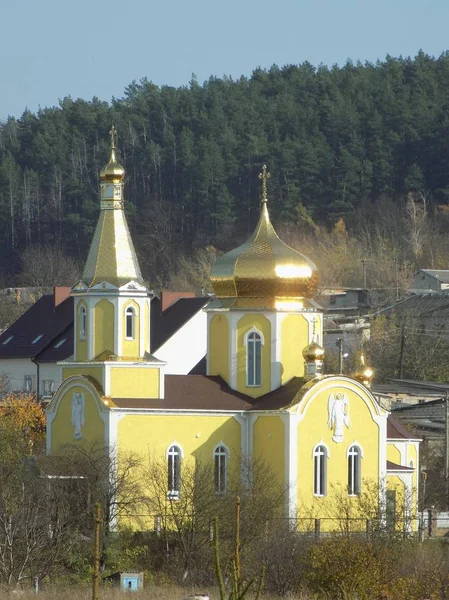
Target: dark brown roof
(201, 392)
(192, 392)
(61, 348)
(397, 431)
(41, 319)
(165, 324)
(391, 466)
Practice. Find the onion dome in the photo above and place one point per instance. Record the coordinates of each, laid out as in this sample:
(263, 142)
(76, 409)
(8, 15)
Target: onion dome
(313, 352)
(113, 172)
(363, 373)
(264, 267)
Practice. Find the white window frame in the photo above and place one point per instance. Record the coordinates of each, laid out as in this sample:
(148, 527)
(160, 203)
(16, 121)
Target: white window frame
(250, 341)
(320, 456)
(83, 322)
(221, 456)
(174, 487)
(130, 312)
(354, 457)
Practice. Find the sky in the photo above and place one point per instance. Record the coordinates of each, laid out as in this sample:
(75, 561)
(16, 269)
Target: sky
(50, 49)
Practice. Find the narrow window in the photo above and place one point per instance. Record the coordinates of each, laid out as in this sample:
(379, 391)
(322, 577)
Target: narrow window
(36, 339)
(354, 470)
(174, 472)
(319, 471)
(254, 359)
(8, 339)
(130, 314)
(28, 383)
(83, 321)
(48, 387)
(220, 468)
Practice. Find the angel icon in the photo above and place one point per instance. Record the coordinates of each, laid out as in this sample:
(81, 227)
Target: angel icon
(77, 414)
(338, 411)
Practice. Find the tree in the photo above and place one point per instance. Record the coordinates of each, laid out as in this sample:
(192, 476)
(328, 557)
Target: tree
(45, 267)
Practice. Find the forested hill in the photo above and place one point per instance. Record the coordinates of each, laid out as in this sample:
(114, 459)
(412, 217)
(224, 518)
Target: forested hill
(332, 138)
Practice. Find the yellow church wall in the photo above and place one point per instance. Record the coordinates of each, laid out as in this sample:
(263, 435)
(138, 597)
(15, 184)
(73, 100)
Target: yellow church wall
(81, 345)
(393, 454)
(263, 325)
(149, 436)
(268, 444)
(294, 337)
(62, 431)
(134, 382)
(103, 327)
(131, 347)
(313, 430)
(96, 372)
(219, 346)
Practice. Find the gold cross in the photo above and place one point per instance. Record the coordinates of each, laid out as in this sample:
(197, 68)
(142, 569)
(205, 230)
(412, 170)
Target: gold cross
(314, 324)
(113, 134)
(264, 176)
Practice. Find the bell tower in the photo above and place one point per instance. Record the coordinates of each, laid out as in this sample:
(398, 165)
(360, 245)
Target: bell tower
(111, 300)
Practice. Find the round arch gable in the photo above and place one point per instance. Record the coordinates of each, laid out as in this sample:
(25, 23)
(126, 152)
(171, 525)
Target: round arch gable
(333, 381)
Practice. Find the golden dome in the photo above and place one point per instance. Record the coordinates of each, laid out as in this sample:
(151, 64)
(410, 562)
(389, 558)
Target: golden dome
(363, 373)
(313, 352)
(113, 172)
(264, 267)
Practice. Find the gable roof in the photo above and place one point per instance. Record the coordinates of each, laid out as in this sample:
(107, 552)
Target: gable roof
(61, 348)
(440, 274)
(37, 328)
(165, 323)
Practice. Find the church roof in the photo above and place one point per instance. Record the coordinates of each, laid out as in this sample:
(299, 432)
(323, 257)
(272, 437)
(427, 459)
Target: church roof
(397, 431)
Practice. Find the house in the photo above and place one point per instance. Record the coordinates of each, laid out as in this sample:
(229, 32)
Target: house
(430, 280)
(263, 394)
(32, 347)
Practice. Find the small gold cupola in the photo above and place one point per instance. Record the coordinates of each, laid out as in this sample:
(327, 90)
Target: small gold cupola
(264, 267)
(363, 372)
(313, 355)
(113, 172)
(112, 259)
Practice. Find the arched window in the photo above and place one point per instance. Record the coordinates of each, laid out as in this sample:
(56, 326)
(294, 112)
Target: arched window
(130, 322)
(83, 322)
(174, 471)
(320, 471)
(220, 469)
(354, 470)
(253, 359)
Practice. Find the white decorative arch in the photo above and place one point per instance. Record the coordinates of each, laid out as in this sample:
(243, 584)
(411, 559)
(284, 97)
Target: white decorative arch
(178, 445)
(253, 330)
(356, 445)
(222, 445)
(324, 445)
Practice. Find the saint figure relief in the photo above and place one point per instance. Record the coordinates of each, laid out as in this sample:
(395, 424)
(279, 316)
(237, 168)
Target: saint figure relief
(77, 414)
(338, 412)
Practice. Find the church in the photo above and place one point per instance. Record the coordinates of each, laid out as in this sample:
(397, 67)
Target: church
(263, 395)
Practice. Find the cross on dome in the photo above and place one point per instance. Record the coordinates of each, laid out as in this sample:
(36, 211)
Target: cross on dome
(264, 176)
(113, 134)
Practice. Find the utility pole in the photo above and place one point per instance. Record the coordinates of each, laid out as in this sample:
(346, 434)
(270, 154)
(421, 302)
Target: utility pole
(364, 272)
(96, 553)
(401, 353)
(340, 355)
(446, 445)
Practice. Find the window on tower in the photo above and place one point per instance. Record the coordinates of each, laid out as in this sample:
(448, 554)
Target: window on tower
(130, 323)
(220, 468)
(83, 322)
(174, 472)
(354, 470)
(253, 359)
(320, 471)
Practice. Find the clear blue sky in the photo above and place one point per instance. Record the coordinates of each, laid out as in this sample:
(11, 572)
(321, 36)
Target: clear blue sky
(50, 49)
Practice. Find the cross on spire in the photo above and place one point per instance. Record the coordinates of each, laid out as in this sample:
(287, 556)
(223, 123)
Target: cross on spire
(314, 325)
(113, 134)
(264, 176)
